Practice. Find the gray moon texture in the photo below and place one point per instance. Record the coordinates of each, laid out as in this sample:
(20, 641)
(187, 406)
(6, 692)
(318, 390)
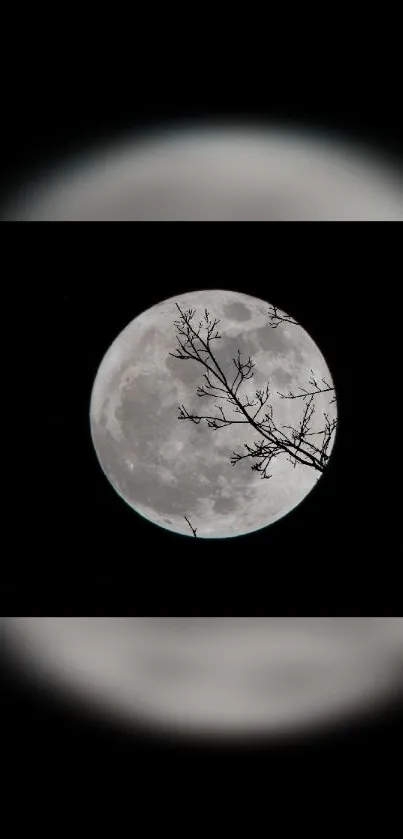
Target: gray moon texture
(166, 469)
(215, 676)
(216, 173)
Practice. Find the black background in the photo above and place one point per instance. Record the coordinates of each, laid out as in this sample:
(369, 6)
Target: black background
(68, 291)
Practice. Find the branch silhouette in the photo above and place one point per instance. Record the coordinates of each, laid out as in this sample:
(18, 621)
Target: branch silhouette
(193, 529)
(276, 319)
(195, 341)
(324, 387)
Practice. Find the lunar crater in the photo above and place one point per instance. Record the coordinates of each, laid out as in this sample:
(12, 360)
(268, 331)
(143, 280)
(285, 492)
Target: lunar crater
(237, 311)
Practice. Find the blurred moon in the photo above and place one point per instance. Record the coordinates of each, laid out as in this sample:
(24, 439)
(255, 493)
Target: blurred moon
(215, 676)
(214, 173)
(166, 469)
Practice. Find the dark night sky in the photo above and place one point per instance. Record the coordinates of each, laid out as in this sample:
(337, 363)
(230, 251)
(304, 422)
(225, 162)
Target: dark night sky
(69, 291)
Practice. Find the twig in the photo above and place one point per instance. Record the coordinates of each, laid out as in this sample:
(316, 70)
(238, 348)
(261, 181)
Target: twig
(193, 529)
(276, 319)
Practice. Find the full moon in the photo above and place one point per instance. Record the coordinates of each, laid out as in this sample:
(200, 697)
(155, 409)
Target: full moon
(172, 471)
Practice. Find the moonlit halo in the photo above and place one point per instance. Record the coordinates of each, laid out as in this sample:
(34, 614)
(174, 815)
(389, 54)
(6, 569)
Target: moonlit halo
(215, 676)
(167, 469)
(213, 173)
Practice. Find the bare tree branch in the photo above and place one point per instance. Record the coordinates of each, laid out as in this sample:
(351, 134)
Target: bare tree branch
(317, 388)
(292, 442)
(276, 318)
(193, 529)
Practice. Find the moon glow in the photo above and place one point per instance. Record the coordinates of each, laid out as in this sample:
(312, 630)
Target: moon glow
(216, 173)
(215, 676)
(166, 469)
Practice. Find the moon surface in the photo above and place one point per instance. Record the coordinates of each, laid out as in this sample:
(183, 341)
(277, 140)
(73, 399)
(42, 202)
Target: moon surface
(215, 676)
(166, 469)
(211, 173)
